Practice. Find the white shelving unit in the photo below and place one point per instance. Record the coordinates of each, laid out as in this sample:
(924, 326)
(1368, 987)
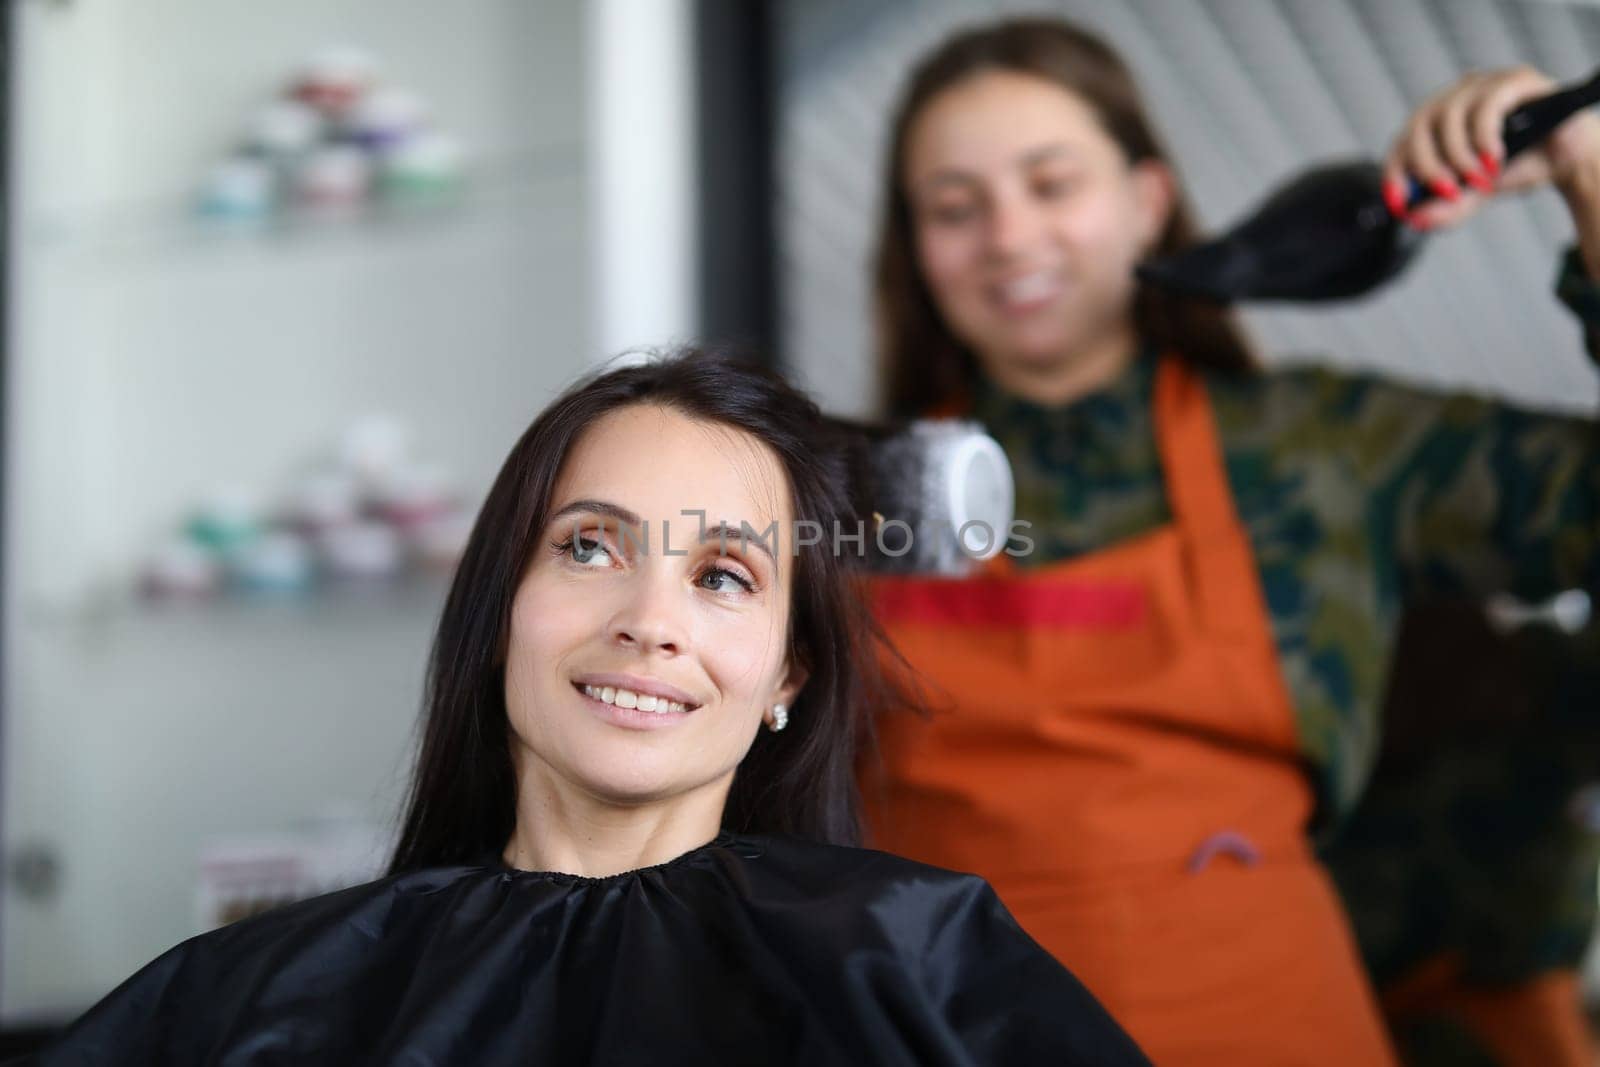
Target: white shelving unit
(153, 357)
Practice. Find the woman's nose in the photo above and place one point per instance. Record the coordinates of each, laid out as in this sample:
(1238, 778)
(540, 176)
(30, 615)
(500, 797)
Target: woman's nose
(653, 618)
(1013, 225)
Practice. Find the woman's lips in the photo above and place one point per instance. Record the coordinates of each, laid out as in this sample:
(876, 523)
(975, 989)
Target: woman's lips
(634, 718)
(636, 685)
(1028, 292)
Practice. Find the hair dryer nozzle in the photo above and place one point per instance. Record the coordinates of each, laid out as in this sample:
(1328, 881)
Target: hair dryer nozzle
(1327, 235)
(1216, 270)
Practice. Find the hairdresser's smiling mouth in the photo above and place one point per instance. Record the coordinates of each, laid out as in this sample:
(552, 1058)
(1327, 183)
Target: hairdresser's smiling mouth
(1028, 292)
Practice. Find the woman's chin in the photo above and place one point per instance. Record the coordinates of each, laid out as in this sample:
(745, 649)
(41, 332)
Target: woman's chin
(1030, 355)
(630, 775)
(633, 788)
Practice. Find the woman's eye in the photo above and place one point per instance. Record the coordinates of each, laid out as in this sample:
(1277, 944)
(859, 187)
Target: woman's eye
(949, 208)
(589, 550)
(1051, 188)
(952, 214)
(721, 580)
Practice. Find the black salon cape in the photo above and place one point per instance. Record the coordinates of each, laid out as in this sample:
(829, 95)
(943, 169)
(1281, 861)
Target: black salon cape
(748, 950)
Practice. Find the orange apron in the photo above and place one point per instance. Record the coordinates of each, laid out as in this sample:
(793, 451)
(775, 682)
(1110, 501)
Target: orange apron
(1536, 1023)
(1109, 742)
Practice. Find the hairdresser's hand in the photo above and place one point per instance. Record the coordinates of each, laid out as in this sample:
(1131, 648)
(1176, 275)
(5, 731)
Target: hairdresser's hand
(1452, 145)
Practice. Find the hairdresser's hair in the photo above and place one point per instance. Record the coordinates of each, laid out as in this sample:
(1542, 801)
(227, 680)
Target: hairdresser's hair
(922, 364)
(462, 800)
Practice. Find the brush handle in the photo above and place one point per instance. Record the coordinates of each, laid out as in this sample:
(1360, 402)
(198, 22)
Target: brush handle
(1530, 124)
(1567, 612)
(1537, 119)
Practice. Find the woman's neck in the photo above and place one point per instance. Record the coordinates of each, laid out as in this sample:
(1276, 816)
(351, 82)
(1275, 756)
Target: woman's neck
(561, 828)
(1058, 382)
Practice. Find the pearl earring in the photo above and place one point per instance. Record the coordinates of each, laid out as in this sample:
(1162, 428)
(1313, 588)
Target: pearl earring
(780, 718)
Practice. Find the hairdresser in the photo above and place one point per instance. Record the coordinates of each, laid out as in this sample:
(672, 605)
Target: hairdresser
(1469, 866)
(1135, 728)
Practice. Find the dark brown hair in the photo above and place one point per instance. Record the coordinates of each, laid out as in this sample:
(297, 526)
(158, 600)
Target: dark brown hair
(462, 798)
(923, 364)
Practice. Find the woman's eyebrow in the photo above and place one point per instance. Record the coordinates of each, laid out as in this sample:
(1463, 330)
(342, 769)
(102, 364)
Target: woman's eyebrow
(744, 535)
(948, 176)
(954, 176)
(598, 507)
(1059, 150)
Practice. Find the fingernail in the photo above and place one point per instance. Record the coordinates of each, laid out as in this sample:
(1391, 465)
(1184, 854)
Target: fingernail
(1479, 181)
(1490, 161)
(1416, 221)
(1394, 195)
(1445, 188)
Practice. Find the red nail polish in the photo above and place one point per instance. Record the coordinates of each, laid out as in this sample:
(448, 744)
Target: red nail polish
(1490, 162)
(1394, 196)
(1416, 221)
(1445, 188)
(1479, 181)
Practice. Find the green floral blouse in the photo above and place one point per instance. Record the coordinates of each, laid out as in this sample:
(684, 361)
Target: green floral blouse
(1359, 495)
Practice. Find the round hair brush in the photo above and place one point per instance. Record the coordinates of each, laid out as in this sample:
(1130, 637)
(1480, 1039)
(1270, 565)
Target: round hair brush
(934, 496)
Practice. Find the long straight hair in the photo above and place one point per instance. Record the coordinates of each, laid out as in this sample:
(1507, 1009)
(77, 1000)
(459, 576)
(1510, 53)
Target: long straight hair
(462, 798)
(922, 364)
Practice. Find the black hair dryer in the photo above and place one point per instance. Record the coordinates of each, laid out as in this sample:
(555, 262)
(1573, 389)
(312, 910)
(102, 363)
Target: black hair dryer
(1327, 234)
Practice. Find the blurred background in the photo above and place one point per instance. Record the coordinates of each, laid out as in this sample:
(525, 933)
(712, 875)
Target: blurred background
(1247, 93)
(284, 283)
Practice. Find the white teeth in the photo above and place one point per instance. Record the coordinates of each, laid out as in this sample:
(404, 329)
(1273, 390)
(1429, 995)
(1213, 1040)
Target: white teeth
(1032, 287)
(626, 698)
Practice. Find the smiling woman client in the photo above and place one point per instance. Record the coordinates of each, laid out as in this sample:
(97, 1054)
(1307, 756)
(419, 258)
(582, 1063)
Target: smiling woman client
(628, 832)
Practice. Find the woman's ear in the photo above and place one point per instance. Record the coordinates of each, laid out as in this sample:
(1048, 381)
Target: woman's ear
(794, 679)
(1155, 191)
